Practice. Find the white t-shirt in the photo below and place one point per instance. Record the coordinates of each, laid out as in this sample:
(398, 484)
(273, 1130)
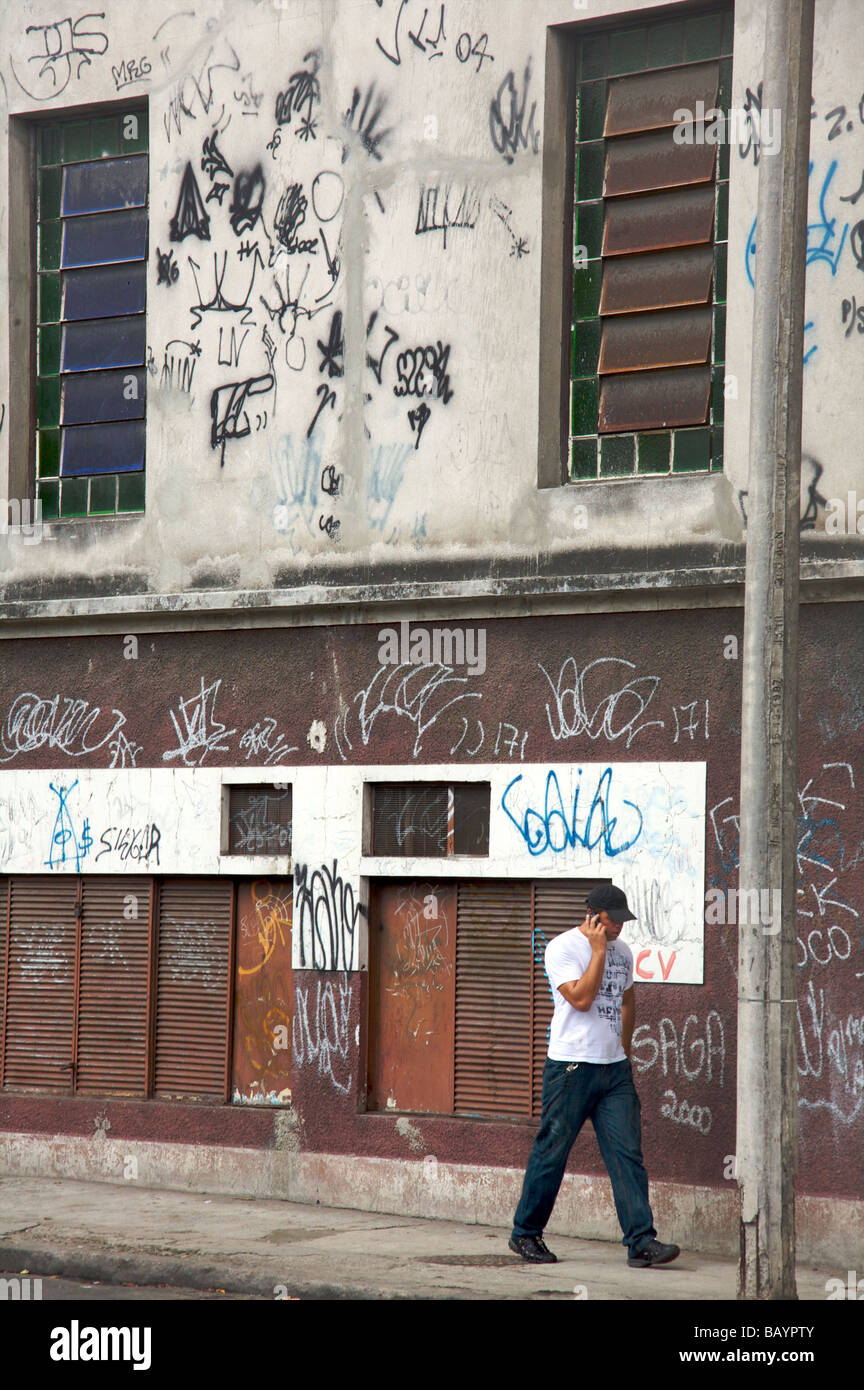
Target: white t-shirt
(595, 1035)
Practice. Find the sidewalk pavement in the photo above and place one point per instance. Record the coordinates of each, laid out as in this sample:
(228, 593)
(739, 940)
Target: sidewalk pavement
(247, 1245)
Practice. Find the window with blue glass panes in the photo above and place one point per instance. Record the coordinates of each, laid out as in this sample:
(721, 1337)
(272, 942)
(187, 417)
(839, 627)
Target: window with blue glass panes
(91, 211)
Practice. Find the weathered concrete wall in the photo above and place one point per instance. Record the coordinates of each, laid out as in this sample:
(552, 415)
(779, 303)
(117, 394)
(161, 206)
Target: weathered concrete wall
(348, 308)
(610, 689)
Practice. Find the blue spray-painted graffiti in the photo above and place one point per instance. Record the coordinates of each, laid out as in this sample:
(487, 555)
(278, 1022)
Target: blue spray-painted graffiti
(63, 835)
(538, 828)
(824, 243)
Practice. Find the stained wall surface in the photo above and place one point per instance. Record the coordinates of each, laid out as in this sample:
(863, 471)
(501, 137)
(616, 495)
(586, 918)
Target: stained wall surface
(591, 693)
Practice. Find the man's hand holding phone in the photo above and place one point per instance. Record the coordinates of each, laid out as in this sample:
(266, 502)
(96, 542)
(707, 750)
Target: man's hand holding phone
(595, 932)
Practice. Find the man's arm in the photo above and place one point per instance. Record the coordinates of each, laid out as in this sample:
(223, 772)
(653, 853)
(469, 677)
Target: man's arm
(581, 993)
(628, 1018)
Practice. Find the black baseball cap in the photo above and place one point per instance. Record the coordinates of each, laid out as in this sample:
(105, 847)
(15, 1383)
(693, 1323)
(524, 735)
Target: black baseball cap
(608, 898)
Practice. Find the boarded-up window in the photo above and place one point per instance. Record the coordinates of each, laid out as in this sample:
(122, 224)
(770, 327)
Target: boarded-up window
(460, 1001)
(651, 228)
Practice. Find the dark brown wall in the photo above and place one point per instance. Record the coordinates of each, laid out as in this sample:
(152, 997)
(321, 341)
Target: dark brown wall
(648, 703)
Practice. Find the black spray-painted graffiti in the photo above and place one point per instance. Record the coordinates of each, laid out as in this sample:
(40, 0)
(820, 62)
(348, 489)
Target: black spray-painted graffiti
(167, 270)
(509, 126)
(178, 365)
(854, 312)
(362, 117)
(303, 90)
(815, 500)
(55, 48)
(229, 418)
(442, 210)
(431, 44)
(332, 352)
(518, 244)
(219, 303)
(247, 200)
(290, 216)
(213, 162)
(412, 366)
(130, 70)
(194, 93)
(189, 219)
(327, 915)
(752, 117)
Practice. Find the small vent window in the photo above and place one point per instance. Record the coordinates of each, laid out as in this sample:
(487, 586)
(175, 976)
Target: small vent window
(430, 819)
(259, 820)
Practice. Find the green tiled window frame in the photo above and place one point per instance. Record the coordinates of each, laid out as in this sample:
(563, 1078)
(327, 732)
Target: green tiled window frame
(102, 135)
(662, 43)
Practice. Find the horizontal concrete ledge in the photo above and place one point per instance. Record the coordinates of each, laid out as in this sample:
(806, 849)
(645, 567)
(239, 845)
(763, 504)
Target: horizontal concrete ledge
(322, 605)
(830, 1231)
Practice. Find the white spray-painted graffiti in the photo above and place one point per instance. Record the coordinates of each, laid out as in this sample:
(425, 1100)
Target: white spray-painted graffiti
(323, 1041)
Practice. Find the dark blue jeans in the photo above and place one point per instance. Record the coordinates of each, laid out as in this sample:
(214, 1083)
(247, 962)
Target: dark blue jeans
(572, 1093)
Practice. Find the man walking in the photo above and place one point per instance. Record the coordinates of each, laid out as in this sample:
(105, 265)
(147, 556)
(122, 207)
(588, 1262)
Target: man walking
(587, 1073)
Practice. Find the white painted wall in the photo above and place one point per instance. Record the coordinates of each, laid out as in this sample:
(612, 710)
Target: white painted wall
(470, 486)
(640, 824)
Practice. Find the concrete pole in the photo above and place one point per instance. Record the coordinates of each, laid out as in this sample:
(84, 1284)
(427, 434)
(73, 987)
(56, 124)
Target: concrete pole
(766, 1147)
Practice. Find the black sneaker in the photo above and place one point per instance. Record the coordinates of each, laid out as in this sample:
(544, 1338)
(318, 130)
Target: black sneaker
(654, 1253)
(532, 1249)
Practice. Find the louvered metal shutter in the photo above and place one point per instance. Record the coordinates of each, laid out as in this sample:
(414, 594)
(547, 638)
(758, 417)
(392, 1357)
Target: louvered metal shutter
(194, 969)
(114, 987)
(558, 905)
(493, 1000)
(41, 984)
(657, 253)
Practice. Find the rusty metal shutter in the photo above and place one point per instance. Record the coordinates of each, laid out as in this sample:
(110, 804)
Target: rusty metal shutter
(41, 983)
(114, 987)
(412, 945)
(653, 257)
(493, 1003)
(193, 988)
(263, 991)
(557, 905)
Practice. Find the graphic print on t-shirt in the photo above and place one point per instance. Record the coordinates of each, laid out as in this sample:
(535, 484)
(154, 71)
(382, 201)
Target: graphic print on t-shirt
(615, 981)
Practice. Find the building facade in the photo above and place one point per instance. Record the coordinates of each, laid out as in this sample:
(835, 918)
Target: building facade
(374, 412)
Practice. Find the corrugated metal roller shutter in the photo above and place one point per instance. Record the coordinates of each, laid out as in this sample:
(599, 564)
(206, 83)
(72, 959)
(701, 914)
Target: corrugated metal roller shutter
(193, 988)
(558, 905)
(114, 986)
(40, 1002)
(493, 1015)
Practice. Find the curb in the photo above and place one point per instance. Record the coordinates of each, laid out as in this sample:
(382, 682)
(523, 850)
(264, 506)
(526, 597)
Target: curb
(110, 1268)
